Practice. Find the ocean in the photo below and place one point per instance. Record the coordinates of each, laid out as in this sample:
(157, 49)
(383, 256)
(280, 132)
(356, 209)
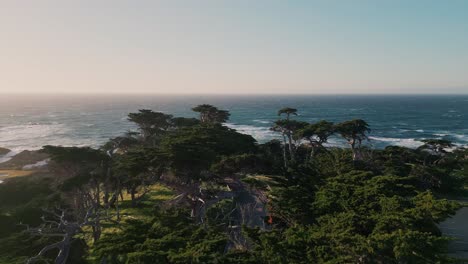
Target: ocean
(31, 121)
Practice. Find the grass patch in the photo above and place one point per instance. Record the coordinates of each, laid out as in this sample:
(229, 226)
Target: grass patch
(144, 210)
(5, 174)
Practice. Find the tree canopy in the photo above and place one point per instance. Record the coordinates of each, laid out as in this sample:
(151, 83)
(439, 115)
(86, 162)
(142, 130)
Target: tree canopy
(211, 114)
(187, 190)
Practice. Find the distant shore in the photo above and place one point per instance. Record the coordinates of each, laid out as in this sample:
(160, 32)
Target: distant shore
(20, 164)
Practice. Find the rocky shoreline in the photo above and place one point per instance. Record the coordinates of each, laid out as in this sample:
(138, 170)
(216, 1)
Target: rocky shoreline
(24, 158)
(24, 163)
(4, 151)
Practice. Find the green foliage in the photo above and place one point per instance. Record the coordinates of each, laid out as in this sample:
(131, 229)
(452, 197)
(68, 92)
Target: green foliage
(358, 217)
(122, 143)
(83, 156)
(243, 163)
(287, 111)
(189, 151)
(185, 122)
(436, 145)
(317, 132)
(211, 115)
(23, 190)
(327, 206)
(170, 237)
(354, 131)
(150, 123)
(271, 152)
(291, 126)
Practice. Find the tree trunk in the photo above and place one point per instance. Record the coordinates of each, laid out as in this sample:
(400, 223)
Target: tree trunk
(107, 188)
(291, 147)
(98, 193)
(284, 152)
(63, 254)
(312, 151)
(132, 195)
(356, 153)
(96, 232)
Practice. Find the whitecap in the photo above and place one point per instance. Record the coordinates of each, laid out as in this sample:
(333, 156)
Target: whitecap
(335, 142)
(17, 115)
(34, 136)
(8, 156)
(461, 137)
(36, 165)
(261, 121)
(420, 130)
(402, 142)
(29, 132)
(261, 134)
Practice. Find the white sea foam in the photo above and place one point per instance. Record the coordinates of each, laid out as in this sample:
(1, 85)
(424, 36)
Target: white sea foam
(261, 121)
(8, 156)
(402, 142)
(34, 136)
(461, 137)
(38, 164)
(31, 136)
(261, 134)
(336, 142)
(420, 130)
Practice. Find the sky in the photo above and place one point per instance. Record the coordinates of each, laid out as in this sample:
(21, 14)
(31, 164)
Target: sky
(234, 47)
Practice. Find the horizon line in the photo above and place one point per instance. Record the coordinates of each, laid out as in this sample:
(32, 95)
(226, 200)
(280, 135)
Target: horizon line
(229, 94)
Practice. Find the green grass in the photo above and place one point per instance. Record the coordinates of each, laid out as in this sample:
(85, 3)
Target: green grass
(144, 210)
(157, 194)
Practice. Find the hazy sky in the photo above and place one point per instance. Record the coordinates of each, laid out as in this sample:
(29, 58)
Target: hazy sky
(237, 46)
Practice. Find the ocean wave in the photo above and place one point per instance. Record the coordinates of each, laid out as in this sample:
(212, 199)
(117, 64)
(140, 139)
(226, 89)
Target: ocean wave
(261, 134)
(402, 142)
(461, 137)
(457, 136)
(30, 130)
(36, 165)
(8, 156)
(35, 136)
(261, 121)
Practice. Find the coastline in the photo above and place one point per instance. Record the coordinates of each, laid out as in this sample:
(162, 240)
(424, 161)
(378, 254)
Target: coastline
(24, 163)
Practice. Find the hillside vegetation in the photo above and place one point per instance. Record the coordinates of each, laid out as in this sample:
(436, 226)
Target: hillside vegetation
(191, 190)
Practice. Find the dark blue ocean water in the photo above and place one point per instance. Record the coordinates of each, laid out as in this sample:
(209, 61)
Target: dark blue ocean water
(29, 122)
